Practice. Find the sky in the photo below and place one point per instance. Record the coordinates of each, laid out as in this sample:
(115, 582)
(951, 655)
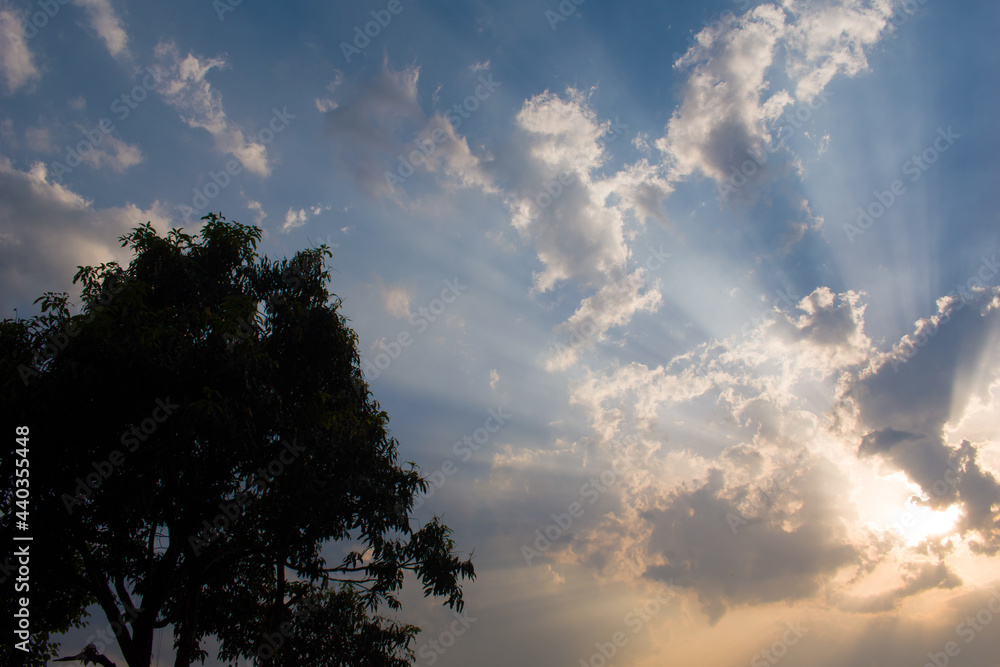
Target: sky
(689, 311)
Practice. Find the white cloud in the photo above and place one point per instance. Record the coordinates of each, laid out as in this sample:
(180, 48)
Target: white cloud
(16, 59)
(613, 305)
(297, 218)
(829, 37)
(39, 139)
(50, 230)
(258, 210)
(729, 108)
(114, 153)
(293, 220)
(722, 115)
(106, 24)
(323, 105)
(374, 124)
(184, 86)
(559, 203)
(395, 300)
(748, 484)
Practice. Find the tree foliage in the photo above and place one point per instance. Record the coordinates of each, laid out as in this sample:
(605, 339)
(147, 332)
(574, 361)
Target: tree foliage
(200, 431)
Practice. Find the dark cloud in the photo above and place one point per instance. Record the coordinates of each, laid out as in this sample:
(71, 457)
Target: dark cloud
(926, 381)
(918, 577)
(785, 551)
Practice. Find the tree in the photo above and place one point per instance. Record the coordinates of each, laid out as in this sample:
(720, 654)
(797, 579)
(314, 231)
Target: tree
(198, 433)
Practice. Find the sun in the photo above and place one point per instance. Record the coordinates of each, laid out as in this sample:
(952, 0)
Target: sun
(918, 523)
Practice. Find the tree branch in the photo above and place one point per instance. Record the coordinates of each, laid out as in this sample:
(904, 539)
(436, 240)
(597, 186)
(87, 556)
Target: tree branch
(98, 585)
(125, 597)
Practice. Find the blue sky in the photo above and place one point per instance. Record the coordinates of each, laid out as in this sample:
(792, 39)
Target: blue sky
(725, 272)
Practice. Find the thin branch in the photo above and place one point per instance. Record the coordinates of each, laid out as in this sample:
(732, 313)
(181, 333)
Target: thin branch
(125, 597)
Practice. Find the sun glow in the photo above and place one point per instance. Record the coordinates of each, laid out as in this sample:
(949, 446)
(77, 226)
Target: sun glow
(917, 523)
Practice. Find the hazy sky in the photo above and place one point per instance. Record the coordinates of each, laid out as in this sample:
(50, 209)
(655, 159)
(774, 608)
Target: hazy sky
(690, 310)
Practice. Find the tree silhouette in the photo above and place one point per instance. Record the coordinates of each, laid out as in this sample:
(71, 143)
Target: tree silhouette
(198, 433)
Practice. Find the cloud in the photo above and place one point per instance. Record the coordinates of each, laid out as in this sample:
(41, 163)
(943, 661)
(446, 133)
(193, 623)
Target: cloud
(614, 305)
(369, 126)
(16, 59)
(917, 577)
(39, 139)
(722, 117)
(297, 218)
(908, 398)
(114, 153)
(108, 152)
(258, 210)
(750, 453)
(395, 300)
(106, 24)
(293, 220)
(828, 38)
(730, 104)
(184, 87)
(49, 230)
(786, 553)
(381, 136)
(575, 216)
(323, 105)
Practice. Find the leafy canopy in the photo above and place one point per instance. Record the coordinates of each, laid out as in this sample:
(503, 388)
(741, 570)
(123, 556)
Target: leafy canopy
(199, 432)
